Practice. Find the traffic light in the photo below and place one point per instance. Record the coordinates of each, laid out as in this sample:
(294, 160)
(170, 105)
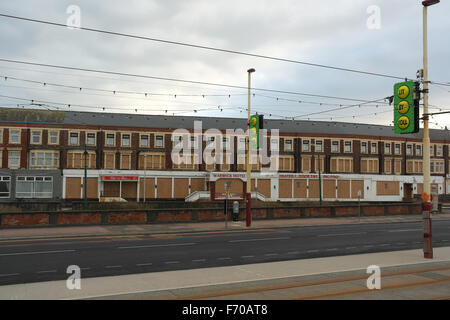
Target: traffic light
(256, 123)
(406, 107)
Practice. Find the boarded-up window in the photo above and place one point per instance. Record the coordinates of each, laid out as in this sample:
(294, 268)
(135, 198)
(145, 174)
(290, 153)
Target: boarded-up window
(369, 165)
(152, 161)
(125, 160)
(286, 163)
(387, 165)
(341, 164)
(75, 160)
(110, 161)
(306, 164)
(398, 166)
(388, 188)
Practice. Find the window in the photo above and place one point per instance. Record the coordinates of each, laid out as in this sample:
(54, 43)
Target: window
(5, 187)
(431, 150)
(414, 166)
(152, 161)
(409, 150)
(397, 166)
(305, 145)
(348, 146)
(36, 137)
(110, 160)
(90, 139)
(286, 163)
(1, 136)
(287, 145)
(341, 164)
(241, 145)
(225, 144)
(397, 148)
(387, 165)
(14, 159)
(274, 145)
(418, 150)
(44, 159)
(319, 145)
(34, 187)
(144, 141)
(159, 141)
(53, 137)
(110, 137)
(125, 140)
(319, 165)
(387, 148)
(363, 147)
(369, 165)
(373, 148)
(335, 146)
(125, 161)
(306, 163)
(193, 142)
(210, 141)
(73, 138)
(75, 160)
(437, 166)
(14, 136)
(439, 151)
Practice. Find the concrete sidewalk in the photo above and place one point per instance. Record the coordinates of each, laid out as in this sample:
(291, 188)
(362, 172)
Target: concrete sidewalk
(142, 229)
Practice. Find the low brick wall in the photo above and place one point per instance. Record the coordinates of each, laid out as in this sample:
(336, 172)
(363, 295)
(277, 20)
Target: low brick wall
(173, 215)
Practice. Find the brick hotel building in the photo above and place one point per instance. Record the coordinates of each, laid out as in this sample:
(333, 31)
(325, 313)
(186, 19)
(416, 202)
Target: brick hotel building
(129, 157)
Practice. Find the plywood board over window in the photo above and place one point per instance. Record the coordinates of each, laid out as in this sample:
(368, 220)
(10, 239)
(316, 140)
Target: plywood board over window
(164, 188)
(73, 188)
(388, 188)
(313, 189)
(264, 187)
(300, 188)
(357, 185)
(147, 188)
(329, 189)
(343, 189)
(197, 184)
(285, 188)
(181, 189)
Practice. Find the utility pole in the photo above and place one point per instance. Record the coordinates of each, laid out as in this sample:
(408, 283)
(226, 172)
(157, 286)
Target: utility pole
(428, 248)
(248, 195)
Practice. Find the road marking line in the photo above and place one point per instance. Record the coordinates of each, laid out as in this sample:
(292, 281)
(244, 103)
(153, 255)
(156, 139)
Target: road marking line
(293, 252)
(171, 262)
(261, 239)
(332, 249)
(350, 248)
(340, 234)
(384, 245)
(310, 251)
(159, 245)
(401, 243)
(46, 271)
(85, 268)
(10, 274)
(271, 254)
(35, 252)
(113, 266)
(144, 264)
(405, 230)
(224, 258)
(199, 260)
(247, 256)
(368, 246)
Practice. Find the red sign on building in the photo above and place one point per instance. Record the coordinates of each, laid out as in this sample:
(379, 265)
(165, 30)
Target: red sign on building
(119, 178)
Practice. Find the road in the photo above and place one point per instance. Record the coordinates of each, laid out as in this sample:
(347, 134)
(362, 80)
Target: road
(31, 260)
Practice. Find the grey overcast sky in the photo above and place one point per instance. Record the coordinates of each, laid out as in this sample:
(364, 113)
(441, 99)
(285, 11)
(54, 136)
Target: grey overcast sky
(324, 32)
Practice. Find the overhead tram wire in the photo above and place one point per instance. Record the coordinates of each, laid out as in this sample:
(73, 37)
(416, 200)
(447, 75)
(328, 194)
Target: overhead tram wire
(149, 93)
(178, 80)
(206, 47)
(100, 108)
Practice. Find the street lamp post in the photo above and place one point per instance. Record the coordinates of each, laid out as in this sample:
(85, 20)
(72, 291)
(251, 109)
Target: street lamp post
(428, 252)
(248, 195)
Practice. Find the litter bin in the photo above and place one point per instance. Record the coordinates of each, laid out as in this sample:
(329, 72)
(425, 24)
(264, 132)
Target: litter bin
(236, 211)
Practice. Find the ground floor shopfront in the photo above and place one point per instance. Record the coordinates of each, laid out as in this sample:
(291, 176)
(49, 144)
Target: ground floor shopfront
(105, 185)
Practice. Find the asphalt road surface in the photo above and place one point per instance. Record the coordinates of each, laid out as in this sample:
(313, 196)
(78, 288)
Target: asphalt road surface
(31, 260)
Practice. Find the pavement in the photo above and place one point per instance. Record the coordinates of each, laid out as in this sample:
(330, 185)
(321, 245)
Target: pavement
(161, 228)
